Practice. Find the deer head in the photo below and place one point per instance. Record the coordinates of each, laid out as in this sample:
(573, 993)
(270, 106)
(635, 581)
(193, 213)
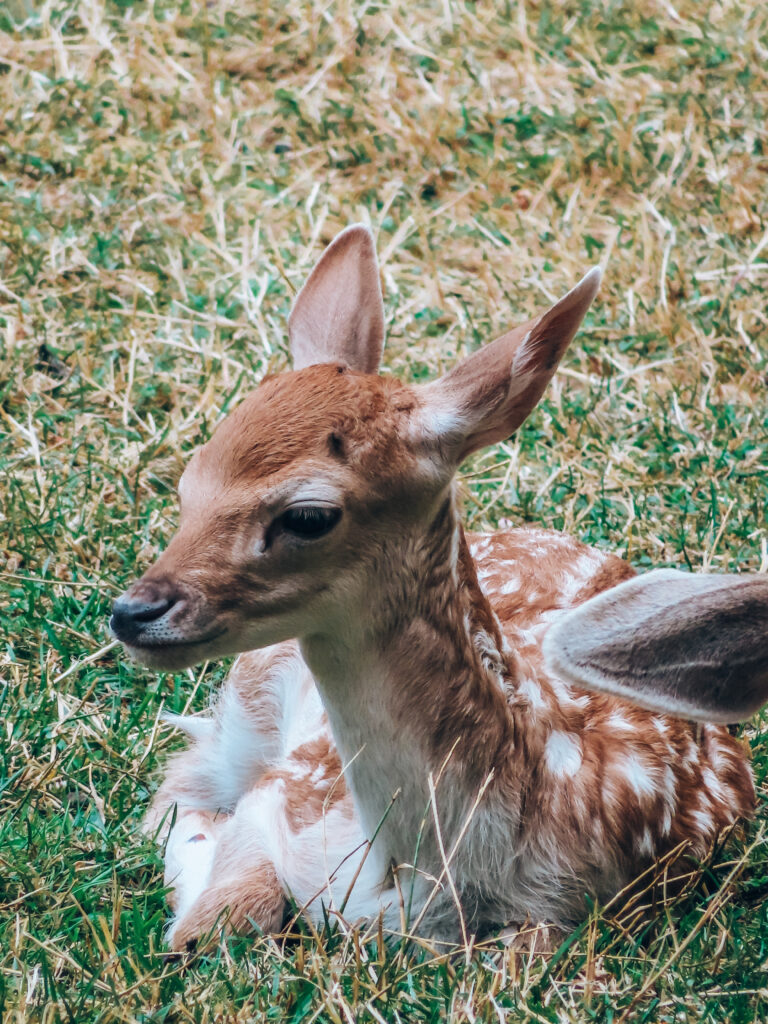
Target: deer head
(323, 476)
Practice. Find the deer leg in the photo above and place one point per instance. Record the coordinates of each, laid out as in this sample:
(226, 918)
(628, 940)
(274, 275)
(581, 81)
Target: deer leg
(241, 890)
(189, 856)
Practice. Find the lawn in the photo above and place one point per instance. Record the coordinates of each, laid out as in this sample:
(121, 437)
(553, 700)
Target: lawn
(169, 172)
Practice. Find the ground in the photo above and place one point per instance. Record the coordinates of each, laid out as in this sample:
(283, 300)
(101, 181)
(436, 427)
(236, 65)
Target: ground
(168, 174)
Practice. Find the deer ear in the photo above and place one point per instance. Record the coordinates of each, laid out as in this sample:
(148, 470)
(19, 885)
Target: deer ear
(488, 395)
(338, 315)
(689, 645)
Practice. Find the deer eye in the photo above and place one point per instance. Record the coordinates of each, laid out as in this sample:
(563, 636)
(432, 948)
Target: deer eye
(310, 521)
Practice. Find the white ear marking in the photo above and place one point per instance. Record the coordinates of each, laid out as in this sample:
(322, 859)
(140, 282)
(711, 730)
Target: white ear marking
(495, 388)
(521, 357)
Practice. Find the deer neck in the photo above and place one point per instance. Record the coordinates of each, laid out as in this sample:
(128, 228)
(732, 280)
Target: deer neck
(414, 682)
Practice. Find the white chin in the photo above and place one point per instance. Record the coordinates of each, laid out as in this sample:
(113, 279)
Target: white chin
(174, 657)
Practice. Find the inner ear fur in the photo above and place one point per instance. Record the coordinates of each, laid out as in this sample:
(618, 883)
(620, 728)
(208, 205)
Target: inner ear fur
(338, 315)
(489, 394)
(689, 645)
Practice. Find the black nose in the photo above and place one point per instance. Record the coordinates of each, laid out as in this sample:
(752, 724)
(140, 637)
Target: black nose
(130, 615)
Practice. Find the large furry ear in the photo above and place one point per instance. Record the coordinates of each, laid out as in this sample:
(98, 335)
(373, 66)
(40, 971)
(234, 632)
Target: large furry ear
(487, 396)
(690, 645)
(338, 315)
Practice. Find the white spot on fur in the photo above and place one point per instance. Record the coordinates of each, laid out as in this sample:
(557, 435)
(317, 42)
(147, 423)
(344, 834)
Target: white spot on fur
(566, 696)
(619, 723)
(670, 785)
(510, 587)
(715, 750)
(531, 690)
(645, 843)
(563, 754)
(691, 755)
(582, 571)
(636, 772)
(480, 544)
(703, 819)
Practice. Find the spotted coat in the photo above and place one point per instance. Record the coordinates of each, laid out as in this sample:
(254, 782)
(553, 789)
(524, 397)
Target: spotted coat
(263, 809)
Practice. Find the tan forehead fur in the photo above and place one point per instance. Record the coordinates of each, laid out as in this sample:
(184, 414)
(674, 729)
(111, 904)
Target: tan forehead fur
(293, 417)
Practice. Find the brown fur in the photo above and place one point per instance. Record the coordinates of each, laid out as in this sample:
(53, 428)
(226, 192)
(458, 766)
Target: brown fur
(313, 782)
(612, 572)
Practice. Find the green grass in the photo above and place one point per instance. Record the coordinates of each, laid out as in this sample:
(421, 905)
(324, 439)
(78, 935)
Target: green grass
(168, 173)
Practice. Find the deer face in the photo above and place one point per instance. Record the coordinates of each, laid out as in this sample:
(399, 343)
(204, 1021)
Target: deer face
(281, 514)
(307, 491)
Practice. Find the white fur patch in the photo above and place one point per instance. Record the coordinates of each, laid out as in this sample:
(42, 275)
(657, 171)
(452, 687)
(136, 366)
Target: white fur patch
(563, 754)
(636, 772)
(704, 820)
(579, 574)
(188, 864)
(619, 723)
(531, 690)
(510, 587)
(645, 843)
(670, 785)
(565, 695)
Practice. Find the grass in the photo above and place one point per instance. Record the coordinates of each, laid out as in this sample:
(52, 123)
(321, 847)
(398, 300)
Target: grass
(168, 174)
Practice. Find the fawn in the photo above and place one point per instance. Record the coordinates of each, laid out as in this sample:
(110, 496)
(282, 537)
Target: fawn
(406, 735)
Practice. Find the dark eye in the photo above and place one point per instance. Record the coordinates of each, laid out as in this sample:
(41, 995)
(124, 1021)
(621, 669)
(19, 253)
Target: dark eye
(309, 520)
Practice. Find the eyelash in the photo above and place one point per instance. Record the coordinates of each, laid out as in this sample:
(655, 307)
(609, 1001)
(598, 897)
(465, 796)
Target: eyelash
(309, 521)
